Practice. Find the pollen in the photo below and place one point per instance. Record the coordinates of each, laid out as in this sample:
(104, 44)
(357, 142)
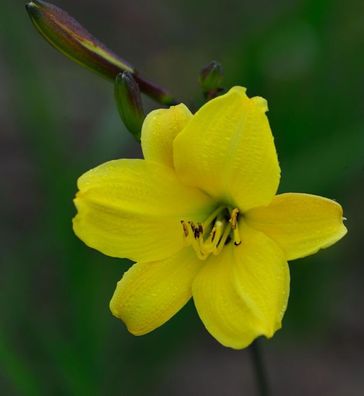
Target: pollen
(214, 233)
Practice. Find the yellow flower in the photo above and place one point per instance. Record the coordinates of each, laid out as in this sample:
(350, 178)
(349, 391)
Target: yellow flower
(200, 217)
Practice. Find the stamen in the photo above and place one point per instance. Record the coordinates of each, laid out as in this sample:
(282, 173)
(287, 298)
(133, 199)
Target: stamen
(237, 240)
(222, 241)
(185, 228)
(219, 228)
(212, 216)
(214, 233)
(234, 225)
(234, 218)
(195, 242)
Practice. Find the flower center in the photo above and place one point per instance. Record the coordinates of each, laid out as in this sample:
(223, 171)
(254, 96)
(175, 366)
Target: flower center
(214, 233)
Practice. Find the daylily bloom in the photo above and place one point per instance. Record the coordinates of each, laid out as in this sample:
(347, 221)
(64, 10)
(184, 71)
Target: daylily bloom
(201, 218)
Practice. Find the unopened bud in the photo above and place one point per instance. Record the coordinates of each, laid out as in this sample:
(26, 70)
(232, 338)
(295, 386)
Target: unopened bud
(129, 103)
(65, 34)
(211, 78)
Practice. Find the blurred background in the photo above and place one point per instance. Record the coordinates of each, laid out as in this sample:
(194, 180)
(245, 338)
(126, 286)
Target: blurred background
(57, 120)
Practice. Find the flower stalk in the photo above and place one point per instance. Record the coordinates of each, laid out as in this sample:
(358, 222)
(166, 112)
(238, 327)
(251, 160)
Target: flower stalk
(69, 37)
(259, 369)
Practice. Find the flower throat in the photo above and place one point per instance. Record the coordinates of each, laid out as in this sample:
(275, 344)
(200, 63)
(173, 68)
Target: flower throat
(220, 228)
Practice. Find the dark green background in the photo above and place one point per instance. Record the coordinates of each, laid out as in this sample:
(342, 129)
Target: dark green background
(57, 336)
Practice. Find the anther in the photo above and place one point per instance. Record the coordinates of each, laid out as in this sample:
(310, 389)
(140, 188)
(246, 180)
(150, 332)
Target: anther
(234, 225)
(196, 232)
(234, 218)
(185, 228)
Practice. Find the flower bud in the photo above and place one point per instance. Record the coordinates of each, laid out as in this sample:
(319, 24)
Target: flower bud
(65, 34)
(129, 103)
(211, 77)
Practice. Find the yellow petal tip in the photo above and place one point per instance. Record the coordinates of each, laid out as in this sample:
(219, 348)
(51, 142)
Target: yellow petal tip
(238, 89)
(260, 102)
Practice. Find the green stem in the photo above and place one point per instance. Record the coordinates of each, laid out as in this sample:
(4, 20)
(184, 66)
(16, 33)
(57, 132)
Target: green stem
(154, 91)
(259, 369)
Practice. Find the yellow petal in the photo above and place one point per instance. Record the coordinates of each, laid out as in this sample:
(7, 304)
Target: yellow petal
(150, 293)
(300, 224)
(133, 209)
(160, 129)
(242, 293)
(227, 149)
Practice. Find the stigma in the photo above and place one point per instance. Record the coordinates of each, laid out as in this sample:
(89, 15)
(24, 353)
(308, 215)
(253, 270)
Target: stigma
(210, 237)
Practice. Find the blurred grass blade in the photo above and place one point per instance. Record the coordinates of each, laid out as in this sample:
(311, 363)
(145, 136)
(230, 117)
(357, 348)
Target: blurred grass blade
(211, 78)
(65, 34)
(15, 368)
(129, 102)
